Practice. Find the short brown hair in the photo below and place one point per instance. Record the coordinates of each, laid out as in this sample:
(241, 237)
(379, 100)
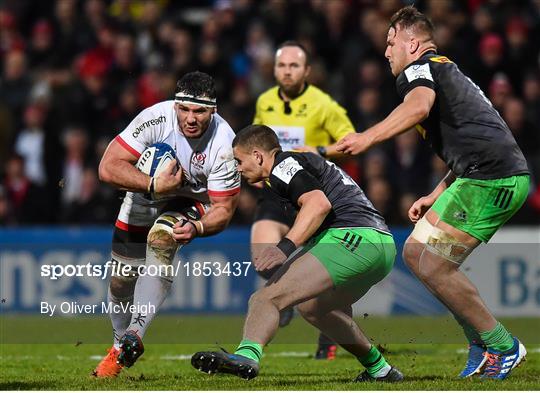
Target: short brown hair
(257, 135)
(408, 17)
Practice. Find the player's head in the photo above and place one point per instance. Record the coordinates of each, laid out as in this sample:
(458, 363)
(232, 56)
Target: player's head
(291, 67)
(254, 149)
(195, 102)
(409, 36)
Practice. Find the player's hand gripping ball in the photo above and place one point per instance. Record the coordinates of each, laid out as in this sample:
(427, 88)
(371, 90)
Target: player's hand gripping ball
(159, 161)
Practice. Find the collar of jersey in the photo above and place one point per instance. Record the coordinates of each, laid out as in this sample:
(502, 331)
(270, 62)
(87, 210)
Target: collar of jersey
(429, 52)
(279, 152)
(302, 92)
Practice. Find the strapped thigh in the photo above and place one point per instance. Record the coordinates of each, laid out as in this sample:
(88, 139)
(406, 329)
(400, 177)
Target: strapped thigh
(439, 242)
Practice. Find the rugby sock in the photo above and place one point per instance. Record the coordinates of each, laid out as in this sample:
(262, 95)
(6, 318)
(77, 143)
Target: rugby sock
(498, 339)
(150, 292)
(375, 363)
(473, 337)
(250, 349)
(119, 320)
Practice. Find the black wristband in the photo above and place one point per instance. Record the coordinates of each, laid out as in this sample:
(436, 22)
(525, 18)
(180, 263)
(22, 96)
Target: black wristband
(287, 246)
(322, 151)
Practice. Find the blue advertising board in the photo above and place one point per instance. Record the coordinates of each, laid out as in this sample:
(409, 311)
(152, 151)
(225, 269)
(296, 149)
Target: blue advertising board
(214, 274)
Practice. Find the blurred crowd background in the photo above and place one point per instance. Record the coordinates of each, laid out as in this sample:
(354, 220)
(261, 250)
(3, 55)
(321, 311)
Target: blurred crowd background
(75, 73)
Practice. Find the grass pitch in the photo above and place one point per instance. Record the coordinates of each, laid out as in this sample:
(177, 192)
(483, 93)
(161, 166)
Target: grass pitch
(59, 354)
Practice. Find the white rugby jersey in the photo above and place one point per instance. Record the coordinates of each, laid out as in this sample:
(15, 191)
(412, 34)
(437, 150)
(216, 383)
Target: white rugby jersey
(208, 161)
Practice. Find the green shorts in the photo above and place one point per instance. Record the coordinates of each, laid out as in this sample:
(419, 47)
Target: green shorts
(481, 207)
(354, 257)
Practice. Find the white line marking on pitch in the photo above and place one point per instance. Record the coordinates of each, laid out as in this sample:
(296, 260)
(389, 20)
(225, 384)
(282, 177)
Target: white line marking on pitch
(175, 357)
(288, 354)
(188, 357)
(270, 355)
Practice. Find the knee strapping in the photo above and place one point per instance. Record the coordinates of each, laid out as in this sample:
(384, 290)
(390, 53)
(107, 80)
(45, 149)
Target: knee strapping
(161, 242)
(439, 242)
(160, 238)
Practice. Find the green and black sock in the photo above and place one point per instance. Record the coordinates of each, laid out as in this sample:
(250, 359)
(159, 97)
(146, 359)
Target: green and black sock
(498, 339)
(250, 349)
(375, 363)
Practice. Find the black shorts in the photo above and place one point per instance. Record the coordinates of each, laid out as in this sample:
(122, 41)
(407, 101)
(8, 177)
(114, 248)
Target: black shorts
(271, 207)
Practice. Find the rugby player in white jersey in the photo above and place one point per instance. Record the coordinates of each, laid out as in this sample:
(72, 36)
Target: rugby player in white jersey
(151, 223)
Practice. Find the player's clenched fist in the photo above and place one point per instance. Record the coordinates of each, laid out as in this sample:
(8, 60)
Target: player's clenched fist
(419, 208)
(268, 258)
(354, 143)
(184, 231)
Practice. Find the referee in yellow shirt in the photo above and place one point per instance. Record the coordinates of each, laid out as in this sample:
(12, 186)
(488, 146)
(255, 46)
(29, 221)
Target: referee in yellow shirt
(305, 119)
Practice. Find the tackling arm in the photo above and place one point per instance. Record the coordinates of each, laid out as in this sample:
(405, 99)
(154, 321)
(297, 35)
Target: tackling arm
(414, 109)
(333, 152)
(314, 207)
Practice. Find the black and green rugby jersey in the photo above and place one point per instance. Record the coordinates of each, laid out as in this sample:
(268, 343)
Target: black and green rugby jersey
(463, 127)
(294, 174)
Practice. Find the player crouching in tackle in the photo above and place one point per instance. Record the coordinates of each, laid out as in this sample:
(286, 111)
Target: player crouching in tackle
(347, 249)
(487, 184)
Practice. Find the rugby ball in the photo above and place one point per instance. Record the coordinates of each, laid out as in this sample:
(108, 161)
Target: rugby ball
(155, 159)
